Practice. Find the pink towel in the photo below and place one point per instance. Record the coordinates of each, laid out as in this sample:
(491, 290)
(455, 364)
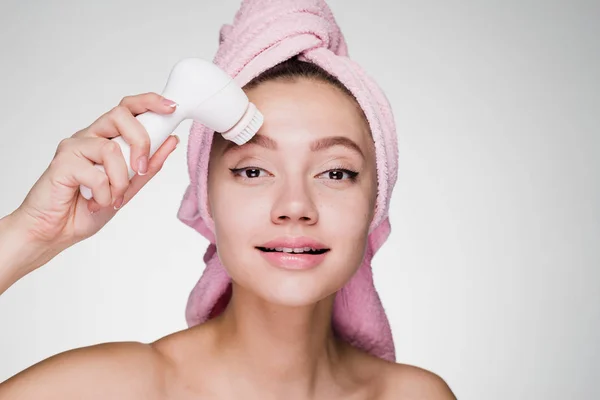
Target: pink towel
(265, 33)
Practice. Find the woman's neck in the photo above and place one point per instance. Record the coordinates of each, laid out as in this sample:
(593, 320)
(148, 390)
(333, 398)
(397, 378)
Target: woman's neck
(286, 350)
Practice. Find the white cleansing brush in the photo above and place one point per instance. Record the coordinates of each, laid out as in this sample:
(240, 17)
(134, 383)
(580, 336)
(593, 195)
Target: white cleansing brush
(204, 93)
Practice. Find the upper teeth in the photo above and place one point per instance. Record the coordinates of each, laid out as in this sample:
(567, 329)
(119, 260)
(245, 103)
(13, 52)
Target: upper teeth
(292, 250)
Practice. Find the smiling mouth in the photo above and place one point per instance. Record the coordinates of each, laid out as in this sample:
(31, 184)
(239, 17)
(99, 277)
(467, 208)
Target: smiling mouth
(300, 250)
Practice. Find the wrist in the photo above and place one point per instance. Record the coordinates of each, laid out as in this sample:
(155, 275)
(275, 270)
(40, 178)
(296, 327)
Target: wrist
(20, 252)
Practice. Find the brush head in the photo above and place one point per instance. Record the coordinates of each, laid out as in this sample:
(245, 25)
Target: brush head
(246, 127)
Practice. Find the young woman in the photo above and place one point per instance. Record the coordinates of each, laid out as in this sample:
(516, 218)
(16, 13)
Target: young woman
(274, 339)
(308, 182)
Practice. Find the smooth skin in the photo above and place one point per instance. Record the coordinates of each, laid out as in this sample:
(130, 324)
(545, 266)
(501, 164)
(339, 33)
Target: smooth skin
(206, 361)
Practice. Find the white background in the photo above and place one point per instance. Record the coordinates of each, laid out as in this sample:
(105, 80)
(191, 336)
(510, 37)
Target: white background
(491, 275)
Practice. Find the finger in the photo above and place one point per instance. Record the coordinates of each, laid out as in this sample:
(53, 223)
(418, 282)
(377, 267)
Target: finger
(125, 124)
(134, 133)
(141, 103)
(105, 152)
(73, 171)
(110, 156)
(120, 122)
(155, 165)
(136, 105)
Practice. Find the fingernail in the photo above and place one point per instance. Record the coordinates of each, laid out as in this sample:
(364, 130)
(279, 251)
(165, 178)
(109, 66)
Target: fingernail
(177, 138)
(94, 208)
(118, 203)
(169, 103)
(142, 165)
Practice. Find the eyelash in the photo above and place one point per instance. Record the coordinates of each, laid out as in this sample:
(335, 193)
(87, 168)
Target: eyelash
(352, 175)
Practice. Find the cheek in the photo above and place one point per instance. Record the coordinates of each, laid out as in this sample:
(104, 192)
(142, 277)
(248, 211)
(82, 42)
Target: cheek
(239, 220)
(239, 213)
(345, 218)
(348, 212)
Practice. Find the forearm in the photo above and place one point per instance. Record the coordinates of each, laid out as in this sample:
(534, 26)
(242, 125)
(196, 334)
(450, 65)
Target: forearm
(19, 254)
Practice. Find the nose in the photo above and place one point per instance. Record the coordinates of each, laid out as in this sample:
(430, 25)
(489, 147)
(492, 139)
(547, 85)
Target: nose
(294, 205)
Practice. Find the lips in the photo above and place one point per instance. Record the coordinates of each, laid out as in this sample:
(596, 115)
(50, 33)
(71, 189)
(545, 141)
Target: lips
(294, 253)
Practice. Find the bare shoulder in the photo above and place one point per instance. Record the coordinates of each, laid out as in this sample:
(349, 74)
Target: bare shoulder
(111, 370)
(410, 382)
(394, 381)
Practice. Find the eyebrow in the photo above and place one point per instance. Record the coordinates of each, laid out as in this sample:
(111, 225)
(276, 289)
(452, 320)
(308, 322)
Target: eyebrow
(317, 145)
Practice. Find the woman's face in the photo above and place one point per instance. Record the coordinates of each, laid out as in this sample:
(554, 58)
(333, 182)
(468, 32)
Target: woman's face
(306, 180)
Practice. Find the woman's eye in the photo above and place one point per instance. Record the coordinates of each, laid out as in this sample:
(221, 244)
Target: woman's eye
(249, 172)
(340, 174)
(333, 174)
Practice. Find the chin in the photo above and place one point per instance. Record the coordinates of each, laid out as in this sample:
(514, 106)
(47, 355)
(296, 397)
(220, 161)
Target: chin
(287, 291)
(297, 290)
(294, 298)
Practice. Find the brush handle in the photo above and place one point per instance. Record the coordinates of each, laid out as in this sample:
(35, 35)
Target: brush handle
(159, 128)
